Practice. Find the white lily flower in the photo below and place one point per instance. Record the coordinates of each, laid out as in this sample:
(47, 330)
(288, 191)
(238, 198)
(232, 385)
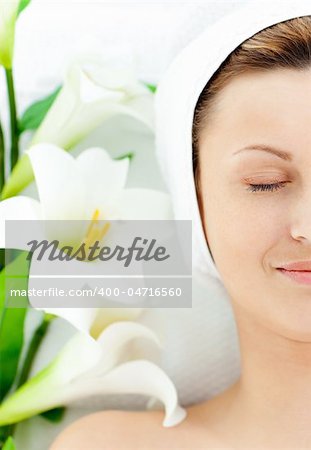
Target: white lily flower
(93, 92)
(94, 367)
(89, 187)
(8, 16)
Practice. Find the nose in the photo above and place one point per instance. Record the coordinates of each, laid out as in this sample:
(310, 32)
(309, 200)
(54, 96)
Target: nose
(301, 220)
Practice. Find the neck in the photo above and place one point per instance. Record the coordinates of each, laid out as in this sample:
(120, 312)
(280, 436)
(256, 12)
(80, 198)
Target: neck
(274, 390)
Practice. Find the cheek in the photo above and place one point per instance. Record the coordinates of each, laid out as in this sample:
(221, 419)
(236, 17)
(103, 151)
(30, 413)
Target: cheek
(244, 237)
(242, 228)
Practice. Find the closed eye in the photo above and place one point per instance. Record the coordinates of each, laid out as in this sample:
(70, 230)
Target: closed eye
(266, 187)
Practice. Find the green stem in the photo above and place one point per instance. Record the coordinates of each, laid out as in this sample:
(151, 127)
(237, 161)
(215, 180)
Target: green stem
(2, 182)
(35, 343)
(13, 118)
(2, 160)
(32, 349)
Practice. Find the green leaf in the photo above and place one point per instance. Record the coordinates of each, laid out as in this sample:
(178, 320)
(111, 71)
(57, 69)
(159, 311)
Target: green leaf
(9, 444)
(151, 87)
(5, 433)
(54, 415)
(34, 115)
(129, 155)
(12, 320)
(2, 257)
(22, 5)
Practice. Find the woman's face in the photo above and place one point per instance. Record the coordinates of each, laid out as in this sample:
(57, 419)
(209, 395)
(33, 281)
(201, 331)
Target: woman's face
(250, 234)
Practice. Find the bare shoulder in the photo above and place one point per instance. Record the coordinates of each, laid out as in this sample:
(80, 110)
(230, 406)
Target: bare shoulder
(143, 430)
(116, 430)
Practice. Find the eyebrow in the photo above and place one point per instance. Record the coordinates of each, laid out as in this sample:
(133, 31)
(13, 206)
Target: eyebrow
(266, 148)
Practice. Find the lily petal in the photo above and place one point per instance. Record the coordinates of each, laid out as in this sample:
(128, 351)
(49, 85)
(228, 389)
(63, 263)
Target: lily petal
(93, 92)
(72, 188)
(140, 108)
(62, 195)
(74, 374)
(107, 316)
(81, 318)
(48, 388)
(103, 176)
(18, 208)
(21, 176)
(8, 15)
(136, 377)
(114, 341)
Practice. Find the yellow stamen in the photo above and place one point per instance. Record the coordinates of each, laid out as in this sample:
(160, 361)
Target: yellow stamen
(104, 231)
(93, 221)
(95, 232)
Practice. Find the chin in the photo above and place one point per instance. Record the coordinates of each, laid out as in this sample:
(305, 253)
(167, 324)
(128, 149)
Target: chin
(299, 330)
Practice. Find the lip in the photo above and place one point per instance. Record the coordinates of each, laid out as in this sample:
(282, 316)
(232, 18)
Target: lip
(298, 265)
(300, 276)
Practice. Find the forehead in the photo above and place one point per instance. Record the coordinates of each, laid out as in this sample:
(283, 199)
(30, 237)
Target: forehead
(271, 107)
